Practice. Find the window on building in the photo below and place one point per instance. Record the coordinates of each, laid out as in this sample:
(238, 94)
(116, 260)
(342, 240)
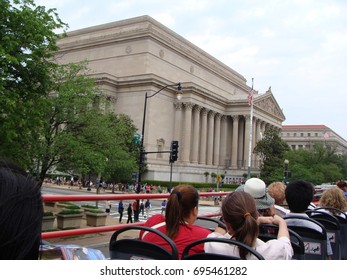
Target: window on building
(293, 147)
(316, 134)
(294, 133)
(288, 134)
(308, 134)
(302, 134)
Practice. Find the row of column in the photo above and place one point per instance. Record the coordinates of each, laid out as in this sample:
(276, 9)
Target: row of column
(209, 138)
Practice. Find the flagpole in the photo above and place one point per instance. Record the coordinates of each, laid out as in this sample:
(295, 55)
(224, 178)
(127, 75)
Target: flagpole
(250, 134)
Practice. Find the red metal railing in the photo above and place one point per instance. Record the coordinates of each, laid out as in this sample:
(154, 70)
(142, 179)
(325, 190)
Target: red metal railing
(91, 230)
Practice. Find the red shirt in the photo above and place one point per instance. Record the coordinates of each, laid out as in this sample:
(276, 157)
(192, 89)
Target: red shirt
(186, 235)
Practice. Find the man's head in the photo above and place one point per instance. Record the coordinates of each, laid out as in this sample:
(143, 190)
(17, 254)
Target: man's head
(21, 213)
(299, 195)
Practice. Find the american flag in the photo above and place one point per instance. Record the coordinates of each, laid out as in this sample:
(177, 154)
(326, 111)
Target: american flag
(250, 98)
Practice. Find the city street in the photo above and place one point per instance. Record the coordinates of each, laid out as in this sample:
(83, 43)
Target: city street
(101, 240)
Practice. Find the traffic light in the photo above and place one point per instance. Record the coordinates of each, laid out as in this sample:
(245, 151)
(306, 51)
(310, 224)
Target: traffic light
(143, 156)
(174, 151)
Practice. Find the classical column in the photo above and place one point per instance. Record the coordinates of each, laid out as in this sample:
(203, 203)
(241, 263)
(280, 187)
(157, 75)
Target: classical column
(216, 141)
(196, 135)
(210, 137)
(178, 124)
(234, 146)
(187, 132)
(262, 128)
(203, 137)
(223, 143)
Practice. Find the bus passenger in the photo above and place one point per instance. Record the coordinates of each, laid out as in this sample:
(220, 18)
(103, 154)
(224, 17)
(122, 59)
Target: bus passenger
(241, 218)
(21, 212)
(178, 222)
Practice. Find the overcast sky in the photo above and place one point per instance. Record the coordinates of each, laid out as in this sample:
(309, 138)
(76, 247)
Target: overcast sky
(298, 47)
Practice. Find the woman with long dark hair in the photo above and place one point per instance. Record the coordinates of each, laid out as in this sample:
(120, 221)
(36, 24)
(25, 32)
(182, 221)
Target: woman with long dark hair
(178, 223)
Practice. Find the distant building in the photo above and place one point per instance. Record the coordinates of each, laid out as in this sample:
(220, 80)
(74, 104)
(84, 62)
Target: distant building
(305, 136)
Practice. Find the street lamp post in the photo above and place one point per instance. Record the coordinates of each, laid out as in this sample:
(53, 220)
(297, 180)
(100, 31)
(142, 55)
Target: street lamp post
(286, 171)
(142, 152)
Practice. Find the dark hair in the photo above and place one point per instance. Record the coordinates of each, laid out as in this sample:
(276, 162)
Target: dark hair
(239, 210)
(21, 212)
(299, 195)
(180, 203)
(341, 184)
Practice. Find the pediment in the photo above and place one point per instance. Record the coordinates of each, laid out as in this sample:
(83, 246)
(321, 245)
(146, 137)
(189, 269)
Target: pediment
(268, 103)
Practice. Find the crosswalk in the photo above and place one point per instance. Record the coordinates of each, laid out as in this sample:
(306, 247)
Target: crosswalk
(157, 210)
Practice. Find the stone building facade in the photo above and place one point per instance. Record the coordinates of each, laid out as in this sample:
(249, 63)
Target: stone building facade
(212, 120)
(305, 136)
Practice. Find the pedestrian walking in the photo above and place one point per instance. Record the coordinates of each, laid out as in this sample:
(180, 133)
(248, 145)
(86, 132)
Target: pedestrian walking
(136, 210)
(142, 208)
(120, 210)
(108, 206)
(130, 214)
(163, 207)
(147, 208)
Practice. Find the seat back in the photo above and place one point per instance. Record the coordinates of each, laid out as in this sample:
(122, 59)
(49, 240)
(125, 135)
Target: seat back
(216, 256)
(135, 249)
(270, 231)
(209, 223)
(315, 240)
(333, 227)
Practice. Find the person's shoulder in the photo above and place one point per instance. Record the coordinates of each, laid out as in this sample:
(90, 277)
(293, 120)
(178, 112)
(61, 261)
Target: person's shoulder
(155, 219)
(199, 230)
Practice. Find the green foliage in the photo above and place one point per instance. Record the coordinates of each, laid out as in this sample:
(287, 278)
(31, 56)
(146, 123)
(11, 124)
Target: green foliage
(70, 212)
(72, 207)
(49, 113)
(271, 149)
(318, 165)
(89, 206)
(47, 214)
(27, 42)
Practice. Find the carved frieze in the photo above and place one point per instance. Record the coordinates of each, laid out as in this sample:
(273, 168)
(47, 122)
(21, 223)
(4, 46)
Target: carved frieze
(269, 105)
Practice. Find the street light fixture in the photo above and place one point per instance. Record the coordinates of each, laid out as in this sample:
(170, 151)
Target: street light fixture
(286, 171)
(179, 97)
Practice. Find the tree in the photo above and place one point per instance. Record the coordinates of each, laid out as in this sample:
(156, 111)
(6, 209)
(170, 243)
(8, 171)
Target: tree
(27, 42)
(76, 137)
(271, 150)
(206, 174)
(49, 116)
(318, 165)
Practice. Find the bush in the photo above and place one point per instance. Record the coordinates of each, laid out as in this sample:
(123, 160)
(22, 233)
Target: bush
(89, 206)
(72, 207)
(47, 214)
(69, 212)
